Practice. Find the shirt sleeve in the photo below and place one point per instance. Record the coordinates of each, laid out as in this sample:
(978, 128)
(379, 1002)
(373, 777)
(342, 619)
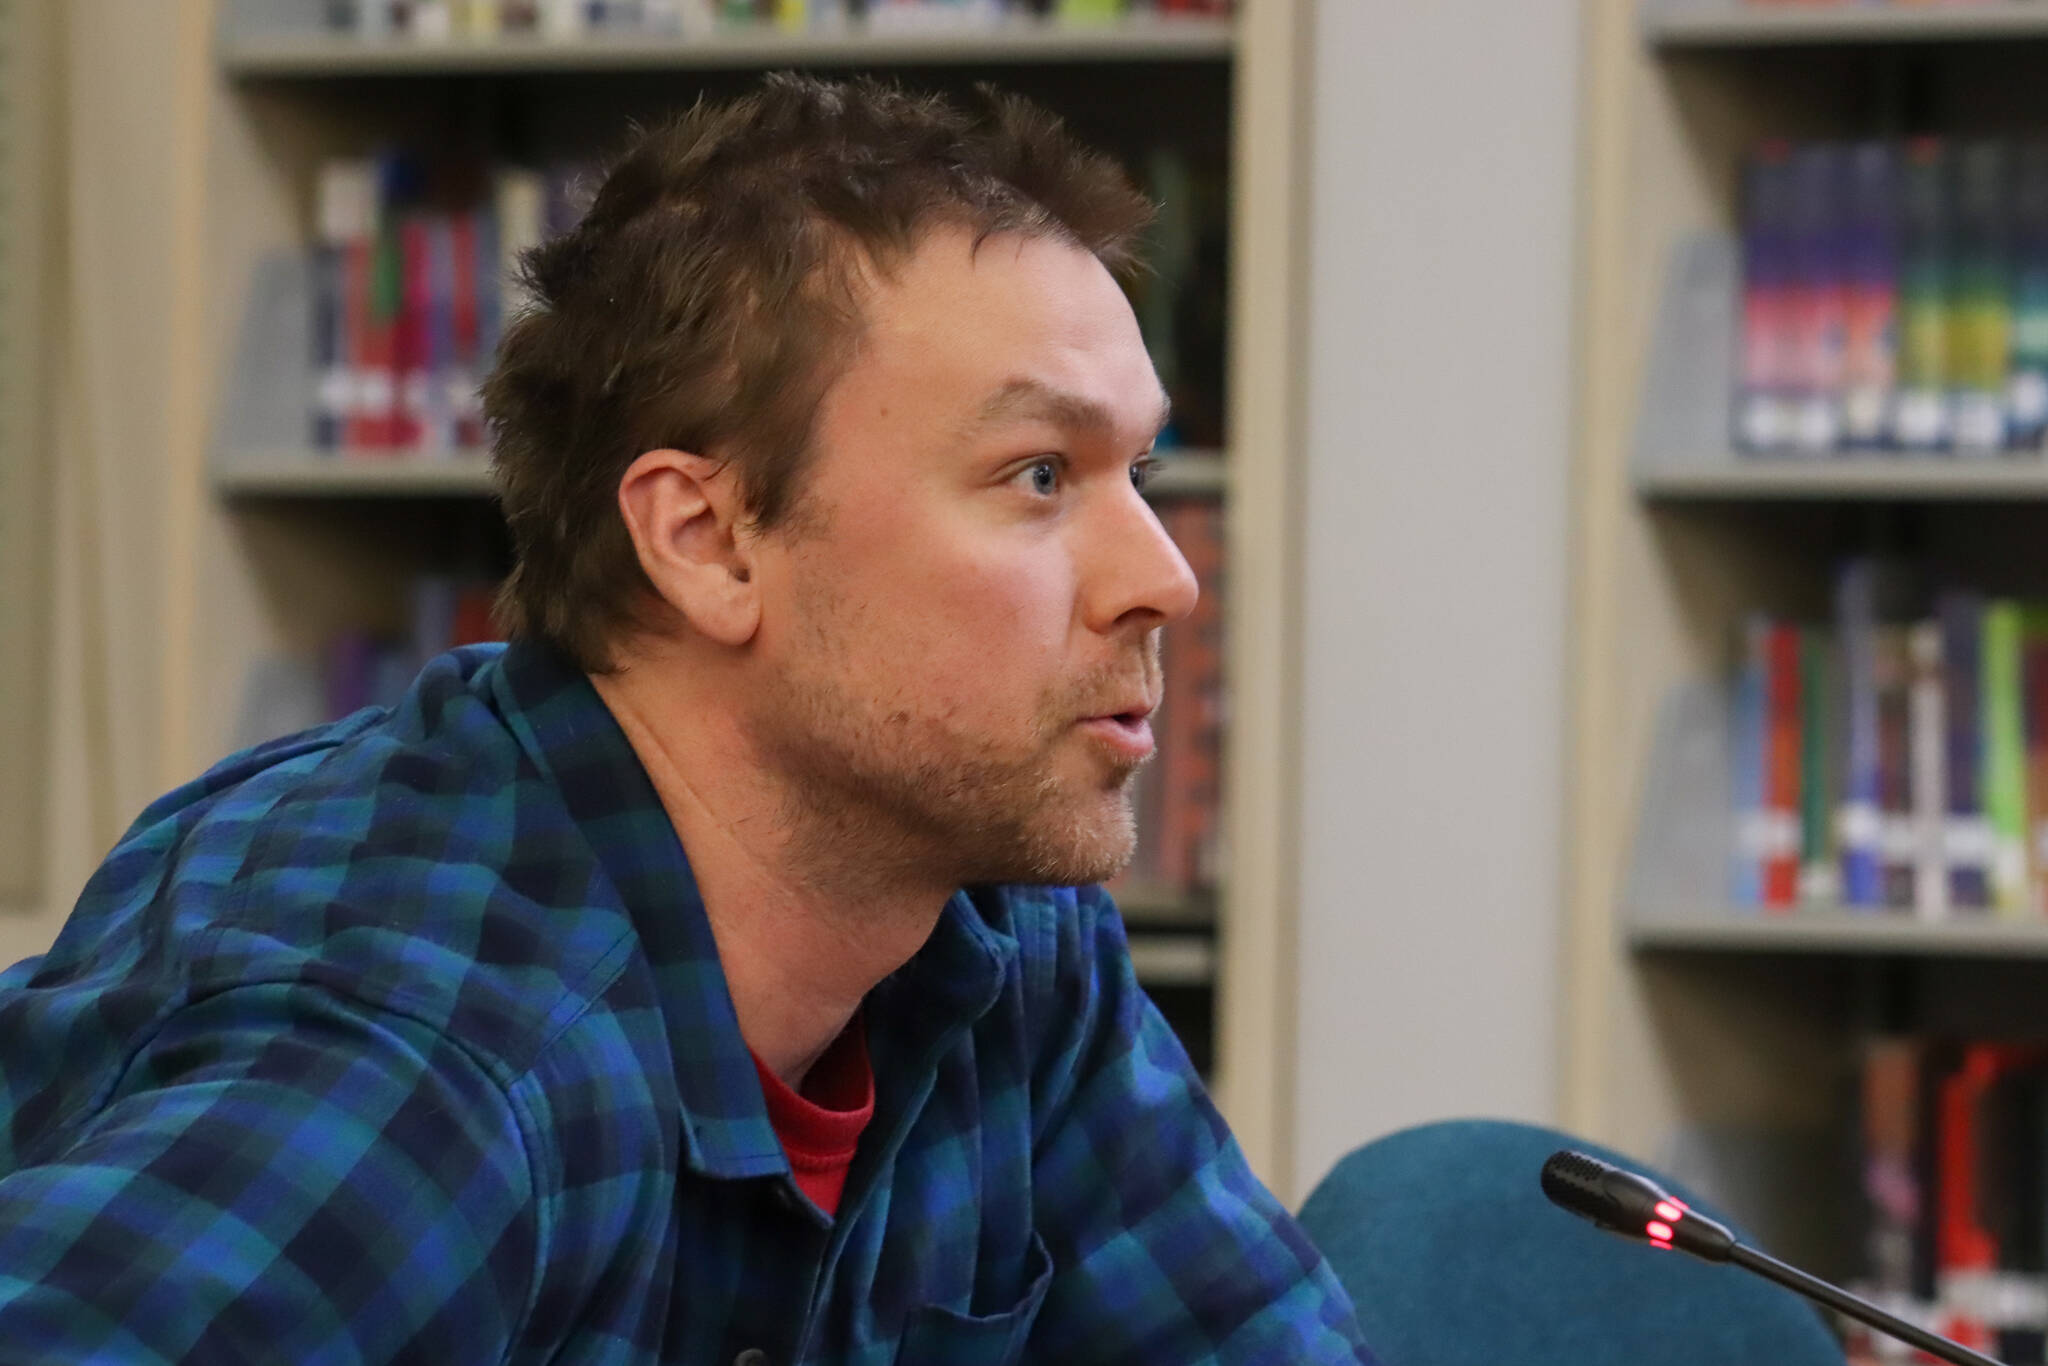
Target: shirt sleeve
(1165, 1246)
(277, 1176)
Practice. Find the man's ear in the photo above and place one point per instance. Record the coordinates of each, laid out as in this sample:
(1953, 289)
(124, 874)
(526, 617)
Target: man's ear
(682, 511)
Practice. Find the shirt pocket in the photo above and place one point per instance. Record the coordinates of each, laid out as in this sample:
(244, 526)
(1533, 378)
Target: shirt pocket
(937, 1336)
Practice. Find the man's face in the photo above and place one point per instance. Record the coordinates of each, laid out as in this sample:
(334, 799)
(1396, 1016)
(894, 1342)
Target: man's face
(959, 635)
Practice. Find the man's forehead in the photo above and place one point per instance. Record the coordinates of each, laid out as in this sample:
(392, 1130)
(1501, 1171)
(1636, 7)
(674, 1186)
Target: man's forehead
(1028, 399)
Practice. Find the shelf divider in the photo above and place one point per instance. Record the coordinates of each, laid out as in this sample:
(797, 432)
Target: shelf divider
(1682, 24)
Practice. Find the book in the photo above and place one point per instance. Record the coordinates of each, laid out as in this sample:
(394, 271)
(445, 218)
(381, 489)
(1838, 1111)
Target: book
(1749, 739)
(1817, 244)
(1980, 324)
(2003, 732)
(2035, 682)
(1858, 828)
(2027, 387)
(1870, 298)
(1820, 767)
(1928, 798)
(1769, 334)
(1969, 834)
(1922, 416)
(1189, 724)
(1898, 835)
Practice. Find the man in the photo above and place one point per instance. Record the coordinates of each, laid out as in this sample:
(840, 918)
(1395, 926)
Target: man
(615, 998)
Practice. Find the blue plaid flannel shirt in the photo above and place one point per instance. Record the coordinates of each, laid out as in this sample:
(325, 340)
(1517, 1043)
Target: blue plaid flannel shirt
(405, 1039)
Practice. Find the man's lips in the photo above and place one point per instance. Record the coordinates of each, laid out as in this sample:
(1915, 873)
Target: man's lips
(1129, 732)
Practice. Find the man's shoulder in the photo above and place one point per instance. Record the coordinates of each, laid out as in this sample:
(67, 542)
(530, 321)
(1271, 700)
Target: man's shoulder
(413, 858)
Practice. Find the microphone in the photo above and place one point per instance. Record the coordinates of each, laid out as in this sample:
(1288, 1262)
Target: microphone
(1636, 1207)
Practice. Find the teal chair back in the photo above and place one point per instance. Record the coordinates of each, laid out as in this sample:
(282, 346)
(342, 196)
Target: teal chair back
(1454, 1257)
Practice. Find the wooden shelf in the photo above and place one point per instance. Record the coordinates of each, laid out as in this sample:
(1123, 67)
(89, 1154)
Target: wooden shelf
(466, 474)
(1174, 960)
(1732, 475)
(1189, 473)
(1729, 930)
(1681, 24)
(273, 54)
(308, 474)
(1166, 908)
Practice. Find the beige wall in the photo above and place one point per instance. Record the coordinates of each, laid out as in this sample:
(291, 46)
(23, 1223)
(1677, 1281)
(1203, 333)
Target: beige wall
(1435, 590)
(126, 403)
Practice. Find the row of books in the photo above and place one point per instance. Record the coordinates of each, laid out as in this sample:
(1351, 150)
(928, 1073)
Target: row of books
(1954, 1185)
(1894, 760)
(1894, 297)
(1179, 794)
(359, 667)
(443, 20)
(412, 281)
(365, 668)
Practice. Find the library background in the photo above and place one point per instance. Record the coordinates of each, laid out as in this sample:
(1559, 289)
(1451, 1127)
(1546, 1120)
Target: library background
(1620, 495)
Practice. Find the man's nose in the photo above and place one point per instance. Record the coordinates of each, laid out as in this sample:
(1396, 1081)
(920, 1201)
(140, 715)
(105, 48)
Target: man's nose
(1140, 573)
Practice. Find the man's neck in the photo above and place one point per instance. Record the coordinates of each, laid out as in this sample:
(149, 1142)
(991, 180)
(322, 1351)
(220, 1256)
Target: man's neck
(801, 945)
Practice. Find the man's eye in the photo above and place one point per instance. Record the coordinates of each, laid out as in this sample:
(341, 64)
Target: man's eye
(1044, 477)
(1142, 470)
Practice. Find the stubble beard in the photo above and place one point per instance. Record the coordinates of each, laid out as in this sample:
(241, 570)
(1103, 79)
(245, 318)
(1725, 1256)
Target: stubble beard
(880, 793)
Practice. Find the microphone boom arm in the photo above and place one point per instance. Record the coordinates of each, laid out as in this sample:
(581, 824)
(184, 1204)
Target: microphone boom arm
(1632, 1206)
(1792, 1278)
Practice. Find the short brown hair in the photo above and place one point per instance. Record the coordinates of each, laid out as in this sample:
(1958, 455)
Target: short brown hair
(707, 301)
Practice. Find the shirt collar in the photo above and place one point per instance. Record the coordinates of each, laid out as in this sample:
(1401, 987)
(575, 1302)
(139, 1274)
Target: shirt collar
(950, 982)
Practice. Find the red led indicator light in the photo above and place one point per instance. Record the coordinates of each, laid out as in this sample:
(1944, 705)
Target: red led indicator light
(1659, 1242)
(1670, 1211)
(1660, 1231)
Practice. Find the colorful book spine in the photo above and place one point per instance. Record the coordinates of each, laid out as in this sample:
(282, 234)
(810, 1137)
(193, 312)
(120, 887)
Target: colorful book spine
(1190, 714)
(1858, 829)
(2035, 682)
(1769, 342)
(1921, 415)
(1969, 835)
(347, 213)
(1898, 850)
(1895, 1199)
(1749, 734)
(1819, 766)
(1982, 309)
(2003, 725)
(2027, 389)
(1870, 295)
(411, 354)
(1818, 244)
(1928, 743)
(1781, 772)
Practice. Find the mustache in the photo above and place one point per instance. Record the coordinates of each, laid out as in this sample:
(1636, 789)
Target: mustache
(1111, 686)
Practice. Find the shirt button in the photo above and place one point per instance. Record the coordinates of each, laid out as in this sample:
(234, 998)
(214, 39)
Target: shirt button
(753, 1356)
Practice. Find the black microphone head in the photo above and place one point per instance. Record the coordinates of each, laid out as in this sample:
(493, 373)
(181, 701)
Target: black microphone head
(1572, 1181)
(1631, 1205)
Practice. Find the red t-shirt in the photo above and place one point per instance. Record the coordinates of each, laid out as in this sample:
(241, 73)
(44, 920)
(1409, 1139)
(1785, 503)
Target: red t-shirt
(821, 1128)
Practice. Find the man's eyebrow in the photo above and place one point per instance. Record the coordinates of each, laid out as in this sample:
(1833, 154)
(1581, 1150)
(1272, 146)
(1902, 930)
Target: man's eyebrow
(1024, 400)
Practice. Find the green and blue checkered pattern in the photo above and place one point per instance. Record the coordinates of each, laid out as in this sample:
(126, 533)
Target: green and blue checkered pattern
(405, 1040)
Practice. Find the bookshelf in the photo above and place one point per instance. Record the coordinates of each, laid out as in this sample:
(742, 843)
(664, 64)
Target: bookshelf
(246, 54)
(286, 472)
(291, 543)
(1673, 25)
(1719, 1041)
